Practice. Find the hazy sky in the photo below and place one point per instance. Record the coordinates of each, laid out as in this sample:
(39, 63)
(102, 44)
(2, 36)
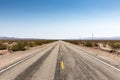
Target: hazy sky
(59, 18)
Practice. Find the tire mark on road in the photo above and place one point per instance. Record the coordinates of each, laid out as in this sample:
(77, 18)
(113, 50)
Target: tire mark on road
(87, 68)
(28, 73)
(57, 71)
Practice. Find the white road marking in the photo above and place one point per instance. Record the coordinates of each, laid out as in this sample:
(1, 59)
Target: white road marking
(12, 65)
(104, 62)
(16, 63)
(99, 59)
(88, 53)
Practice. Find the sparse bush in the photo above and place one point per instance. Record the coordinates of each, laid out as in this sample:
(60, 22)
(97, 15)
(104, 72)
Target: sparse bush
(115, 45)
(96, 44)
(38, 43)
(19, 47)
(88, 44)
(105, 43)
(73, 41)
(31, 44)
(3, 46)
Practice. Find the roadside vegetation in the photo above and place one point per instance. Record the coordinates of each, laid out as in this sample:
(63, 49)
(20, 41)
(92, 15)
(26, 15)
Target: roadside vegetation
(21, 45)
(3, 46)
(112, 46)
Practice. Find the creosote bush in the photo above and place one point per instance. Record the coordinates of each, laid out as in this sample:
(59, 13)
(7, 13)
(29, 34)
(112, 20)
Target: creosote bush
(31, 44)
(88, 44)
(75, 42)
(95, 44)
(3, 46)
(20, 46)
(114, 45)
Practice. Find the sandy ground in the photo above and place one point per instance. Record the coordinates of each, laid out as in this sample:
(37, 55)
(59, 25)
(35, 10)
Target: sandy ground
(105, 48)
(9, 58)
(3, 52)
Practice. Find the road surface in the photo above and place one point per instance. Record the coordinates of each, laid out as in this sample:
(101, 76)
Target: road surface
(60, 61)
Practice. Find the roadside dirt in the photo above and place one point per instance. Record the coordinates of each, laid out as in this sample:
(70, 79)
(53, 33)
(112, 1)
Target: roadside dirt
(4, 52)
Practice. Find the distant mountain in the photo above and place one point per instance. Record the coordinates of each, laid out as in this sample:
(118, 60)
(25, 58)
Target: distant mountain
(104, 38)
(14, 38)
(8, 38)
(116, 38)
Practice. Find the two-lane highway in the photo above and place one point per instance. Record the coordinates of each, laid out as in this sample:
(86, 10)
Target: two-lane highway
(61, 61)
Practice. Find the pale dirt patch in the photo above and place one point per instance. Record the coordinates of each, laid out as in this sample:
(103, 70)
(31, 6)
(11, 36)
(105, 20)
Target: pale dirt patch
(3, 52)
(107, 47)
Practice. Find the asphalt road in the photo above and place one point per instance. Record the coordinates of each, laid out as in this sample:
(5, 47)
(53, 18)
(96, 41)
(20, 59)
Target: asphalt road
(61, 61)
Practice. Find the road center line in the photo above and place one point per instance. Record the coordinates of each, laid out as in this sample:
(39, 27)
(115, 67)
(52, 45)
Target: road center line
(62, 65)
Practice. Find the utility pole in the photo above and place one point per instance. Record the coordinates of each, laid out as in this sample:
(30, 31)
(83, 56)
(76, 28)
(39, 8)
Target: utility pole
(92, 39)
(92, 36)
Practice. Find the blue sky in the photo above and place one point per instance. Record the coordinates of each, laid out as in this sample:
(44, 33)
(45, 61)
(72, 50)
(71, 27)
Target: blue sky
(59, 19)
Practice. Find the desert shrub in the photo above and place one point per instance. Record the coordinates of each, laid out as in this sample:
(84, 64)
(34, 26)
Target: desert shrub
(88, 44)
(47, 41)
(38, 43)
(20, 46)
(31, 44)
(114, 45)
(96, 44)
(104, 44)
(3, 46)
(73, 41)
(41, 42)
